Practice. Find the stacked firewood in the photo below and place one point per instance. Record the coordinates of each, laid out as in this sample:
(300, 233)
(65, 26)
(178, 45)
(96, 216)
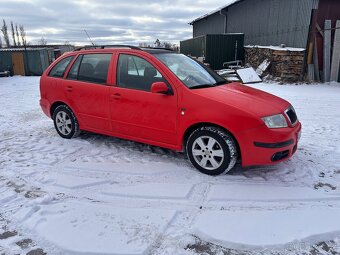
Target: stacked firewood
(254, 56)
(284, 64)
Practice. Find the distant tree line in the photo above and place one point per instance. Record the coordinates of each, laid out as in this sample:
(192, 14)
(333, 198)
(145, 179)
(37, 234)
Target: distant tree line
(18, 35)
(159, 44)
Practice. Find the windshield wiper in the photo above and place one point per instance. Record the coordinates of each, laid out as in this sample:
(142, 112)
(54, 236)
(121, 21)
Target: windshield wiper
(220, 82)
(208, 85)
(203, 86)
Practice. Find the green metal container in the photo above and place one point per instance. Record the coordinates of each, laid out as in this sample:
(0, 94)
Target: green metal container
(35, 60)
(215, 48)
(5, 60)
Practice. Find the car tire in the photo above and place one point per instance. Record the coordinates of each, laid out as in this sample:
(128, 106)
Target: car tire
(65, 122)
(211, 150)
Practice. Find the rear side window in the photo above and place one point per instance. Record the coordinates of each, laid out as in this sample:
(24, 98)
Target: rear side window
(136, 73)
(91, 68)
(73, 73)
(59, 69)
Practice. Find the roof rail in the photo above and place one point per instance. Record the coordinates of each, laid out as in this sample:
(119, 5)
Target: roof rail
(90, 47)
(120, 46)
(86, 47)
(157, 48)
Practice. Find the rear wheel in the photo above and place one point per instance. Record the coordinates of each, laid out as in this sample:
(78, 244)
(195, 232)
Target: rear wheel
(65, 122)
(211, 150)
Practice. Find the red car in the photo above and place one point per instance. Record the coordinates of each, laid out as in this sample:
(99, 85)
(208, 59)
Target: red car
(167, 99)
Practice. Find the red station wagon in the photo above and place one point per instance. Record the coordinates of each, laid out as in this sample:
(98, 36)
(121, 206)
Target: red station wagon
(166, 99)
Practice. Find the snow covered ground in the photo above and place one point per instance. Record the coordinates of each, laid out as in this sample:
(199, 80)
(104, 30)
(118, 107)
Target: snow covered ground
(102, 195)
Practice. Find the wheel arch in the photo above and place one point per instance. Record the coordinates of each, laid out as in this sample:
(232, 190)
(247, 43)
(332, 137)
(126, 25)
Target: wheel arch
(193, 127)
(56, 104)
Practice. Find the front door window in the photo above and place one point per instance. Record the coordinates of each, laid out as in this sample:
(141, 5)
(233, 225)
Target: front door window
(136, 73)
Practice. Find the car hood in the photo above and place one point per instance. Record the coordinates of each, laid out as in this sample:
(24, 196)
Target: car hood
(254, 101)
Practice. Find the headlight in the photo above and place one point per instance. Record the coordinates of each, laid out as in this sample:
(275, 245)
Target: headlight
(275, 121)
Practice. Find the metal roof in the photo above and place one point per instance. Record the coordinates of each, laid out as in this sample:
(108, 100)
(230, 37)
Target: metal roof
(215, 11)
(23, 49)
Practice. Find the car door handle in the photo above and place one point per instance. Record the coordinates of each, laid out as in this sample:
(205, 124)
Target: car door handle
(69, 88)
(115, 96)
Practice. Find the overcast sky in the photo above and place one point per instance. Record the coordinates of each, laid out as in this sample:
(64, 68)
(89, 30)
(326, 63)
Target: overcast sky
(106, 21)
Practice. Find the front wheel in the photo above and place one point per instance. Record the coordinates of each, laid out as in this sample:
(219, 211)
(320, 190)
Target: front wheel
(211, 150)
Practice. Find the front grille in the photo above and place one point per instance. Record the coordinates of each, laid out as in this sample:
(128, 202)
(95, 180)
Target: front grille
(291, 115)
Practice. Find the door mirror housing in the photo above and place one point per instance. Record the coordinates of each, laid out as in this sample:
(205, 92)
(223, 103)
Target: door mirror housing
(160, 88)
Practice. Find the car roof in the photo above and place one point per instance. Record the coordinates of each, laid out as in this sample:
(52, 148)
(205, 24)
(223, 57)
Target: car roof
(109, 48)
(158, 50)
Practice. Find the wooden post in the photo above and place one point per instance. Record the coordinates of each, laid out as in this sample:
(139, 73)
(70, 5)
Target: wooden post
(310, 47)
(316, 62)
(327, 50)
(336, 54)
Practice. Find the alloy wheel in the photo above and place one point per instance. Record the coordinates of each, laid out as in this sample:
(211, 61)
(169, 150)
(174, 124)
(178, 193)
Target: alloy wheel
(207, 152)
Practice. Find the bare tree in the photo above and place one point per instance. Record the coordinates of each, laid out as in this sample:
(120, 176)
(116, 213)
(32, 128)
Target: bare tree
(158, 43)
(4, 31)
(167, 45)
(17, 33)
(23, 35)
(42, 41)
(143, 45)
(172, 46)
(13, 34)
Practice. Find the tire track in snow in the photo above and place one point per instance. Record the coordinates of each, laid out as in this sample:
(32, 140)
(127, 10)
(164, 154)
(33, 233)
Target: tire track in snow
(32, 150)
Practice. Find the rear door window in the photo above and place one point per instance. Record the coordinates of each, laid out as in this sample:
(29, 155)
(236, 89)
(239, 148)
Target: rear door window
(73, 73)
(59, 69)
(93, 68)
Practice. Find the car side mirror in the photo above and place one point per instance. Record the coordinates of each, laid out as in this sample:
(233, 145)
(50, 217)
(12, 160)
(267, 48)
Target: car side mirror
(160, 88)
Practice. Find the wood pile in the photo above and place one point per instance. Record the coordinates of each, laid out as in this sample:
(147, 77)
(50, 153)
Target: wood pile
(284, 64)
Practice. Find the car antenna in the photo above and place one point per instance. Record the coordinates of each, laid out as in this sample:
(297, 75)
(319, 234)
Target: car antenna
(89, 38)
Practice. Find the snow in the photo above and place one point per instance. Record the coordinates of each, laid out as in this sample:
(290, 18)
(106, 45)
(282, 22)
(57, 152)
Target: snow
(74, 182)
(248, 75)
(259, 193)
(158, 191)
(267, 228)
(89, 228)
(271, 47)
(102, 195)
(263, 67)
(24, 49)
(229, 3)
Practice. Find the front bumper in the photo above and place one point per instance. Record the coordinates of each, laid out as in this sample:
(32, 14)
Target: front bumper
(264, 146)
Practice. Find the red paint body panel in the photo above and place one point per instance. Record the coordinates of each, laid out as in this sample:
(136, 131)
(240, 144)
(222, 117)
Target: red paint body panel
(162, 120)
(151, 116)
(252, 155)
(90, 102)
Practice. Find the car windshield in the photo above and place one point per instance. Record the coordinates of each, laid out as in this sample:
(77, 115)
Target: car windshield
(193, 74)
